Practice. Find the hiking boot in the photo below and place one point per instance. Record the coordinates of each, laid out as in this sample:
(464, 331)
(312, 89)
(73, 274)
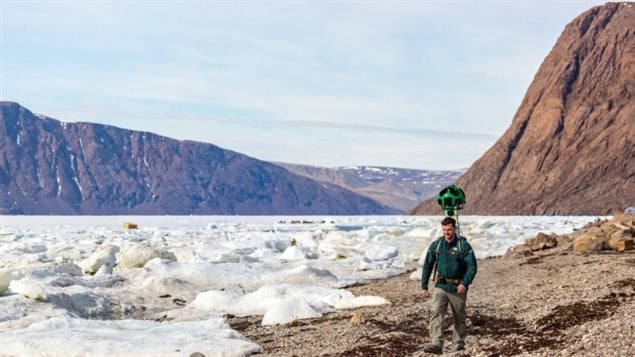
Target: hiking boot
(458, 348)
(434, 349)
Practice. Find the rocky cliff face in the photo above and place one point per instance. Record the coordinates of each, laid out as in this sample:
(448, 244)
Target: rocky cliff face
(394, 187)
(570, 147)
(51, 167)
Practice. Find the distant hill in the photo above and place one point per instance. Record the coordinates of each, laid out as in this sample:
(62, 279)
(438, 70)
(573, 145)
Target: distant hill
(399, 188)
(570, 147)
(52, 167)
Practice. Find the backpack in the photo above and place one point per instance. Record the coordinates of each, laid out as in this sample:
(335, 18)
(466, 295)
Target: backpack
(436, 252)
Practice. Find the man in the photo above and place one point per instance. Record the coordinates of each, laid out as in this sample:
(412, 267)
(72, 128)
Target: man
(455, 270)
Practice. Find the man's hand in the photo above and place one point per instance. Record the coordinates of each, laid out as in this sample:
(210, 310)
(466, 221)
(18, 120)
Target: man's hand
(425, 294)
(461, 289)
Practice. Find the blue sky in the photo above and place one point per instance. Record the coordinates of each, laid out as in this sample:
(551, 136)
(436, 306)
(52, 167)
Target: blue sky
(412, 84)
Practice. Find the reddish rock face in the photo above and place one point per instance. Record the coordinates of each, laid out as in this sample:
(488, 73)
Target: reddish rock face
(570, 147)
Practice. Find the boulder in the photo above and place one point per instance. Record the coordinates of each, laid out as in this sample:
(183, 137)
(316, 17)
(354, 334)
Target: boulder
(617, 236)
(543, 241)
(617, 233)
(626, 244)
(588, 242)
(128, 225)
(519, 251)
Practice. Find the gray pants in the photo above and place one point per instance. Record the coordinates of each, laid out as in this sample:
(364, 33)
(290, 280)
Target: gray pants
(438, 309)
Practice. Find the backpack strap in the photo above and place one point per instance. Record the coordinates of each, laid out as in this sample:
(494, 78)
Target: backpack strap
(436, 250)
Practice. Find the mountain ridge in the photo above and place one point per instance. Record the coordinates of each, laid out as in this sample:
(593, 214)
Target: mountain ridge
(395, 187)
(53, 167)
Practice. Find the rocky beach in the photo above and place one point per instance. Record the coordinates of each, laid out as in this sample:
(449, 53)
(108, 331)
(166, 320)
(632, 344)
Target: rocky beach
(552, 296)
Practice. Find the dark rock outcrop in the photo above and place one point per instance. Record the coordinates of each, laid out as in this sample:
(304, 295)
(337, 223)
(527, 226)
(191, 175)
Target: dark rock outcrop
(570, 148)
(52, 167)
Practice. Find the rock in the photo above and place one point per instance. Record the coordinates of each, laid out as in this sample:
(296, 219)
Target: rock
(623, 245)
(128, 225)
(357, 318)
(543, 241)
(588, 242)
(625, 222)
(564, 240)
(519, 251)
(616, 237)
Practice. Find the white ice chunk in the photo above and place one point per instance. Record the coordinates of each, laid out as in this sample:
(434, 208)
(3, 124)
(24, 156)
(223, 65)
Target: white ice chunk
(216, 253)
(102, 256)
(302, 274)
(57, 269)
(169, 286)
(216, 300)
(136, 255)
(381, 252)
(34, 248)
(81, 301)
(365, 300)
(282, 303)
(263, 253)
(367, 264)
(16, 312)
(204, 274)
(65, 253)
(6, 276)
(28, 288)
(307, 239)
(416, 275)
(293, 253)
(289, 310)
(81, 337)
(277, 244)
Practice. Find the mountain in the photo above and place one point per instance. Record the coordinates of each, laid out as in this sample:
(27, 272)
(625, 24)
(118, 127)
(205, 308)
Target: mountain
(570, 147)
(398, 188)
(52, 167)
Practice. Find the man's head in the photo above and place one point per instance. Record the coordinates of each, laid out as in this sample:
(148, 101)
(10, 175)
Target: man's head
(448, 225)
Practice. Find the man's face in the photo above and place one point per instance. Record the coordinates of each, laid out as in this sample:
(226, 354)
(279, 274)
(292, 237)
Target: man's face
(448, 231)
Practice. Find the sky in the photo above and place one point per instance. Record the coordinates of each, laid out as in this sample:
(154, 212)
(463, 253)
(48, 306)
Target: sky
(410, 84)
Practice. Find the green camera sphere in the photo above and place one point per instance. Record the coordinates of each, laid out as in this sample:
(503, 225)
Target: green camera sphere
(451, 198)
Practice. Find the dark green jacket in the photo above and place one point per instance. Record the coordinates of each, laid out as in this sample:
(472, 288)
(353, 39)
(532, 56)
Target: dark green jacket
(454, 261)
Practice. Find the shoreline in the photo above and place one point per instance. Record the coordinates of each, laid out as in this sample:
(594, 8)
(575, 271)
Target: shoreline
(550, 303)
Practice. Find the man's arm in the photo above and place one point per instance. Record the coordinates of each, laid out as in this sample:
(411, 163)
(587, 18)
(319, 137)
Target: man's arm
(470, 262)
(428, 265)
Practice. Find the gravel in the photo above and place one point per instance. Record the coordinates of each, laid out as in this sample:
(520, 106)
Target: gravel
(553, 303)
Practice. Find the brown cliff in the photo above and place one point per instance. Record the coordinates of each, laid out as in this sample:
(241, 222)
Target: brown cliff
(569, 149)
